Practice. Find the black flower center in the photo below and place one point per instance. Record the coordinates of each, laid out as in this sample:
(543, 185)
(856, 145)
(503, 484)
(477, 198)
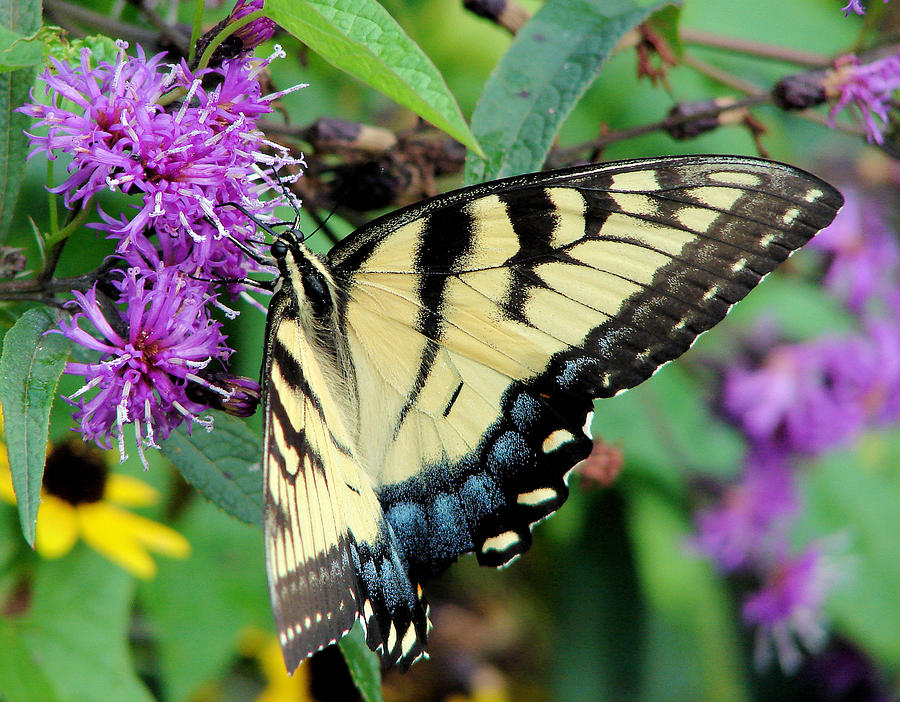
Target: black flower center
(75, 472)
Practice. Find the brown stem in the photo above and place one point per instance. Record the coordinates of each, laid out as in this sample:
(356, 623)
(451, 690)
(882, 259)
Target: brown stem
(752, 48)
(98, 21)
(719, 75)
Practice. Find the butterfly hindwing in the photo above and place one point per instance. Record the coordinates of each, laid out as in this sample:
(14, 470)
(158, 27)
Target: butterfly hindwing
(331, 557)
(430, 384)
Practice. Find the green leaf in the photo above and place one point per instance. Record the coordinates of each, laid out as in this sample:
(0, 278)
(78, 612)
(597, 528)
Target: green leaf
(553, 60)
(363, 665)
(23, 17)
(223, 588)
(222, 464)
(19, 51)
(76, 632)
(30, 366)
(361, 38)
(21, 679)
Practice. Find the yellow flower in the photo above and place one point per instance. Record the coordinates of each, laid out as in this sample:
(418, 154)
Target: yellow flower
(280, 687)
(80, 498)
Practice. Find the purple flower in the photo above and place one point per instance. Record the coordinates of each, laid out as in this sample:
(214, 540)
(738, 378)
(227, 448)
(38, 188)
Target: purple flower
(865, 254)
(151, 351)
(788, 609)
(804, 397)
(259, 30)
(855, 6)
(752, 516)
(183, 162)
(868, 86)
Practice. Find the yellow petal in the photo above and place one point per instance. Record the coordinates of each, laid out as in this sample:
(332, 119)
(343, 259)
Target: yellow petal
(106, 530)
(281, 687)
(129, 492)
(157, 537)
(7, 493)
(57, 527)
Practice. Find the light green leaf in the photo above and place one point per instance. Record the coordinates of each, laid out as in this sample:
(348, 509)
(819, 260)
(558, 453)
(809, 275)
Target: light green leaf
(363, 665)
(553, 60)
(76, 633)
(21, 679)
(30, 367)
(223, 464)
(19, 51)
(361, 38)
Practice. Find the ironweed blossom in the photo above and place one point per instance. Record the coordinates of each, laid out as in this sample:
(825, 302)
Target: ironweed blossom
(864, 253)
(788, 608)
(151, 351)
(183, 161)
(868, 86)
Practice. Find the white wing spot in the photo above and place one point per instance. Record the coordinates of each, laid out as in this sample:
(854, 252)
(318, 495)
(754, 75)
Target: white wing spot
(556, 439)
(392, 637)
(790, 215)
(767, 239)
(409, 639)
(319, 617)
(735, 178)
(501, 542)
(588, 421)
(813, 195)
(738, 266)
(536, 497)
(711, 293)
(307, 623)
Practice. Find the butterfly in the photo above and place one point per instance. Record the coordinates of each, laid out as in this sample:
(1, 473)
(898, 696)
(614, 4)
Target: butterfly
(429, 384)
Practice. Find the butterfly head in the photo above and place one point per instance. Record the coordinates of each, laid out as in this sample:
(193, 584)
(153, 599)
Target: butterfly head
(304, 276)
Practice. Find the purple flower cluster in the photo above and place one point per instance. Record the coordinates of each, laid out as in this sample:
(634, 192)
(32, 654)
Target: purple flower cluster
(797, 401)
(868, 86)
(184, 144)
(855, 6)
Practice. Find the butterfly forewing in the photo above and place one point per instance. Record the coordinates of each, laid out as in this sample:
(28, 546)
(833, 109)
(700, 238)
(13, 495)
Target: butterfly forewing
(472, 333)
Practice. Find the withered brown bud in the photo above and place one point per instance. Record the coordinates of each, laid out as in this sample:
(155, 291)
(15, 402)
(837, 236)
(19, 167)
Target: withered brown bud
(692, 127)
(234, 394)
(800, 91)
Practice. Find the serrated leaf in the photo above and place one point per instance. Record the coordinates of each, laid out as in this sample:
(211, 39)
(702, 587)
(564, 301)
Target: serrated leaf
(551, 62)
(30, 367)
(361, 38)
(224, 465)
(363, 665)
(24, 17)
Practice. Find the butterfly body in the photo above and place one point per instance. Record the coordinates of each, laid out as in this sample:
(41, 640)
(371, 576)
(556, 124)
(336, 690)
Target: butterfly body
(429, 384)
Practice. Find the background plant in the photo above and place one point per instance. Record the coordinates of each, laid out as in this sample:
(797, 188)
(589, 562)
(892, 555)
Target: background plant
(747, 549)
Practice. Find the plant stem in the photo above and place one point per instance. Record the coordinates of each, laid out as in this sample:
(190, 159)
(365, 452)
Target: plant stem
(196, 29)
(752, 48)
(224, 34)
(719, 75)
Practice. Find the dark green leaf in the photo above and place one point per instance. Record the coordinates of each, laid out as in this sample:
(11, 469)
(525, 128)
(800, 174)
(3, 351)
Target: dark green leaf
(30, 366)
(553, 60)
(23, 17)
(223, 464)
(361, 38)
(76, 631)
(364, 666)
